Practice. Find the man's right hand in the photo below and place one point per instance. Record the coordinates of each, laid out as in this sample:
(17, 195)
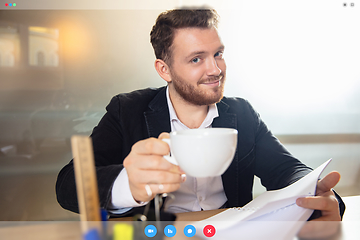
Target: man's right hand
(145, 165)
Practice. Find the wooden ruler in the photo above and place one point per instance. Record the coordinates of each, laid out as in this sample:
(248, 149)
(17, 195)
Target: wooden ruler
(86, 183)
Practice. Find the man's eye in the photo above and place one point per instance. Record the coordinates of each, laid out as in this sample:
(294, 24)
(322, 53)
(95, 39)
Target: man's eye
(218, 54)
(195, 60)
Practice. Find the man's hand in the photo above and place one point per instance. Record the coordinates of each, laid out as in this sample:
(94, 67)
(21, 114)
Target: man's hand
(148, 172)
(326, 202)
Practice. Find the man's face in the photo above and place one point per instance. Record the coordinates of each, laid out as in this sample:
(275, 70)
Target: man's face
(198, 68)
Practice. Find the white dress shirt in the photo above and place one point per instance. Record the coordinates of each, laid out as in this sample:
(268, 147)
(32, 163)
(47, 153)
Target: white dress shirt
(194, 194)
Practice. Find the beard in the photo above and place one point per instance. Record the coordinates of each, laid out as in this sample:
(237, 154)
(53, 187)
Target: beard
(196, 95)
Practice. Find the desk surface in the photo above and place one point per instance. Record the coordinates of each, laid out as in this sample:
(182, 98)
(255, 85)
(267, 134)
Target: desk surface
(352, 211)
(71, 230)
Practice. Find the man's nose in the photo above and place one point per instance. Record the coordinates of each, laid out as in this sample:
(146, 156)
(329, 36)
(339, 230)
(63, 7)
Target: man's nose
(213, 68)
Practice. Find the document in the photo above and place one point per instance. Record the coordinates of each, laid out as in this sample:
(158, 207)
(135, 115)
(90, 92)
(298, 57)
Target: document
(272, 215)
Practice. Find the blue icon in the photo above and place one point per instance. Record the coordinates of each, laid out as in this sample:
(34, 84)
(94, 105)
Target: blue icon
(150, 231)
(169, 231)
(189, 231)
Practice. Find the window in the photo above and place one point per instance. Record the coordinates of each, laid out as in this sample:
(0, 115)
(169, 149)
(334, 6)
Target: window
(43, 47)
(29, 57)
(9, 45)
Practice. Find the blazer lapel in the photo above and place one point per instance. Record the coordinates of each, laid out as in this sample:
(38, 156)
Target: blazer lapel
(229, 178)
(157, 116)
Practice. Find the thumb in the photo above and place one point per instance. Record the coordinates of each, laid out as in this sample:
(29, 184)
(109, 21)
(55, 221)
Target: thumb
(164, 135)
(328, 182)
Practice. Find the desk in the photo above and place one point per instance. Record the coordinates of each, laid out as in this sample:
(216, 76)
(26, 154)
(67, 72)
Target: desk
(350, 227)
(352, 212)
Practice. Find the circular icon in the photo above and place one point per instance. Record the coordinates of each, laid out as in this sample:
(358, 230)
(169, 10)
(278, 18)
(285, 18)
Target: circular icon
(169, 231)
(189, 231)
(150, 231)
(209, 230)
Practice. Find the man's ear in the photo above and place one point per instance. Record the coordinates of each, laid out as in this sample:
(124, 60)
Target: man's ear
(163, 70)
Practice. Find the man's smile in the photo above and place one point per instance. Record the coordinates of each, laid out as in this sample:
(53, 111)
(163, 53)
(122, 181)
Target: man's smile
(213, 82)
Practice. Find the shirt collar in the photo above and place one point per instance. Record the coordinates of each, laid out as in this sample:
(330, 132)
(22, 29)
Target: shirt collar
(212, 112)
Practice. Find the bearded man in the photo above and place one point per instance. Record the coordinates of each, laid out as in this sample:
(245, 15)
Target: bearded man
(127, 144)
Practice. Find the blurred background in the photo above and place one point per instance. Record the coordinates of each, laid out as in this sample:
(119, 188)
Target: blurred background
(296, 62)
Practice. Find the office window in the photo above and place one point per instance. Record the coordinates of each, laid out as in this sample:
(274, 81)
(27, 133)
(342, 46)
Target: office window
(43, 47)
(9, 45)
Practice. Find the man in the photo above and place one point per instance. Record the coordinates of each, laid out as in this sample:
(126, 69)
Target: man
(127, 142)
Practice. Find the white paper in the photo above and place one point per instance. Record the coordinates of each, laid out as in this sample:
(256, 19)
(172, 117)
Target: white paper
(273, 213)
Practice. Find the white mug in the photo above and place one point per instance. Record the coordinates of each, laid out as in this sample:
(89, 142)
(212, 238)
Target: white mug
(202, 152)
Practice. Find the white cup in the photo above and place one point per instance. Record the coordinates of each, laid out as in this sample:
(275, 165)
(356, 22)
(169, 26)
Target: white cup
(202, 152)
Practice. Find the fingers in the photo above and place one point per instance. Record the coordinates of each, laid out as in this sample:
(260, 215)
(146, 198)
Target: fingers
(156, 162)
(327, 204)
(149, 173)
(325, 199)
(157, 181)
(143, 192)
(328, 182)
(325, 226)
(148, 154)
(144, 187)
(318, 202)
(151, 146)
(158, 177)
(153, 189)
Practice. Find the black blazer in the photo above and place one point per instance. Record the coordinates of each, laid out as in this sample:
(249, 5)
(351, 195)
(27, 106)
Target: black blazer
(141, 114)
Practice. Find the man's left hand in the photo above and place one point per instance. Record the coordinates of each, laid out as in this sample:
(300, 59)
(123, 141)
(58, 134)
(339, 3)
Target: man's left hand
(325, 201)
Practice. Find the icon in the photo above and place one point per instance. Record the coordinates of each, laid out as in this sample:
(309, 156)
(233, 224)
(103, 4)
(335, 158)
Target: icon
(150, 231)
(209, 230)
(169, 231)
(189, 231)
(10, 4)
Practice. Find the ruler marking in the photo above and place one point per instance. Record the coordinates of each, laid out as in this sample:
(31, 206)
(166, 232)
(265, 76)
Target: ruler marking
(86, 183)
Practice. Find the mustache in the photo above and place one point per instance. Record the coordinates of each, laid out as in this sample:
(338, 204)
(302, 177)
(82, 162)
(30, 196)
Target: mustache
(212, 79)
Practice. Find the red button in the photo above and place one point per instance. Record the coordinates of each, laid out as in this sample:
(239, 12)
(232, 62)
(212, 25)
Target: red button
(209, 230)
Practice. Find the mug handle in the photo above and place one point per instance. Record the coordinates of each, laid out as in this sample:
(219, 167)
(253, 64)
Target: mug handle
(168, 157)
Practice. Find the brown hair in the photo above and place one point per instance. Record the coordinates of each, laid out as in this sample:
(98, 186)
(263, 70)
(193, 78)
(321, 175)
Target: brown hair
(162, 33)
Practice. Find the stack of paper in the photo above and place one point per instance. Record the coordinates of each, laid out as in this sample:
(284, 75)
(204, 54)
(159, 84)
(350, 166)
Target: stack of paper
(272, 215)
